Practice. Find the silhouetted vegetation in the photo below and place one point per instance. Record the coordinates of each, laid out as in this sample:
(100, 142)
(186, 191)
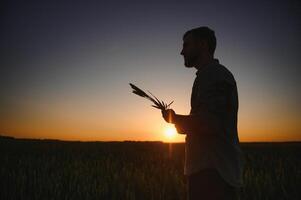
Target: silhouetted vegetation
(50, 169)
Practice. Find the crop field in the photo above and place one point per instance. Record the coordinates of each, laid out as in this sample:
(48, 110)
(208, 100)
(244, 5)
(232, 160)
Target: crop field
(49, 169)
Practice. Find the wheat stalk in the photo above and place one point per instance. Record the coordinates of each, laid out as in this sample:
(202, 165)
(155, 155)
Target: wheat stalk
(157, 103)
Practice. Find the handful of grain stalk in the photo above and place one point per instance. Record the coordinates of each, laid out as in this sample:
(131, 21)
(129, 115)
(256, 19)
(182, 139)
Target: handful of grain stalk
(157, 103)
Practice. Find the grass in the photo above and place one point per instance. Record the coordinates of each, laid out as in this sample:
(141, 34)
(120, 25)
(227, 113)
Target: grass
(46, 169)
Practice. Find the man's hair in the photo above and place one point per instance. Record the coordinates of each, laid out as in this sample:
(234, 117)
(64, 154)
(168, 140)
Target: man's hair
(204, 33)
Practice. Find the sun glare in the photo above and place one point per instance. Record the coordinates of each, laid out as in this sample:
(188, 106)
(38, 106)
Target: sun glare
(170, 132)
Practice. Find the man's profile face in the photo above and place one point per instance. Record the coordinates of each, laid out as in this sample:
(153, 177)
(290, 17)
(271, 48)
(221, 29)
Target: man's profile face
(191, 51)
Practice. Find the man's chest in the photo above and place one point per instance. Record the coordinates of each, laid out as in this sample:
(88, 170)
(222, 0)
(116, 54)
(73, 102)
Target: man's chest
(197, 93)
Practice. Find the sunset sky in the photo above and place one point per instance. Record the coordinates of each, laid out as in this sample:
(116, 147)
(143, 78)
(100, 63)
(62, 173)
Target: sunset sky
(66, 65)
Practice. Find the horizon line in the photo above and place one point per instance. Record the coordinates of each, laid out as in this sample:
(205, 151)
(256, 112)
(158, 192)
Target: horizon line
(63, 140)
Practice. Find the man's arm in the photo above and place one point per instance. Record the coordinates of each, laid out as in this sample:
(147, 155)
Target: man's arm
(204, 123)
(215, 101)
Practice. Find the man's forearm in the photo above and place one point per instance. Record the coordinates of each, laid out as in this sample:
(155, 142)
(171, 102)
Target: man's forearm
(194, 123)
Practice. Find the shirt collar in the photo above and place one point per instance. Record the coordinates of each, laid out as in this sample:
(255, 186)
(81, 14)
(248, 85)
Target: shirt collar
(213, 62)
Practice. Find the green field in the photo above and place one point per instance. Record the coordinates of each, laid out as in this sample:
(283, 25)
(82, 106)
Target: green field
(45, 169)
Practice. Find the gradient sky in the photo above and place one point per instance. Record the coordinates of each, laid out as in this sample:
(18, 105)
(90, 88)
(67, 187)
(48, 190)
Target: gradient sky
(66, 65)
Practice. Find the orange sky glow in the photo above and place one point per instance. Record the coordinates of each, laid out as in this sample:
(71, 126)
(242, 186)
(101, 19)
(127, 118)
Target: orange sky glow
(142, 123)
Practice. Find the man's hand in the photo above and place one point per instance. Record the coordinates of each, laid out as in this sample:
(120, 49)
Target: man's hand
(169, 115)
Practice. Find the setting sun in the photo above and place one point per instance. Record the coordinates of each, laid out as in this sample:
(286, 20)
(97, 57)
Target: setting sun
(170, 132)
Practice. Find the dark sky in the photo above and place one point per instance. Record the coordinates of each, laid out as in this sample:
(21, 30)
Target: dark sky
(70, 62)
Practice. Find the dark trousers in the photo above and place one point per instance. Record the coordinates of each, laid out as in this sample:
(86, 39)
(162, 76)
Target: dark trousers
(209, 185)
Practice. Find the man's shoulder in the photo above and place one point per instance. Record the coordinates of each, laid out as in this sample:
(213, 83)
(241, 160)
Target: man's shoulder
(219, 73)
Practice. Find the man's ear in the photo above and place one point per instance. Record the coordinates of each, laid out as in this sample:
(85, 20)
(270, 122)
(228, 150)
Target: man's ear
(202, 44)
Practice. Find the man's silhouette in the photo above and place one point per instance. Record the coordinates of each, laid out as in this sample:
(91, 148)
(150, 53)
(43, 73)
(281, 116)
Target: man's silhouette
(213, 159)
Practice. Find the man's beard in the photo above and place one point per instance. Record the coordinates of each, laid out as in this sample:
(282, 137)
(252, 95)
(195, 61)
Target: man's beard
(190, 62)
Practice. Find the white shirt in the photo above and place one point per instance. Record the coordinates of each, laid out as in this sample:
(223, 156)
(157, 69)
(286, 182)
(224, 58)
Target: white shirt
(215, 92)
